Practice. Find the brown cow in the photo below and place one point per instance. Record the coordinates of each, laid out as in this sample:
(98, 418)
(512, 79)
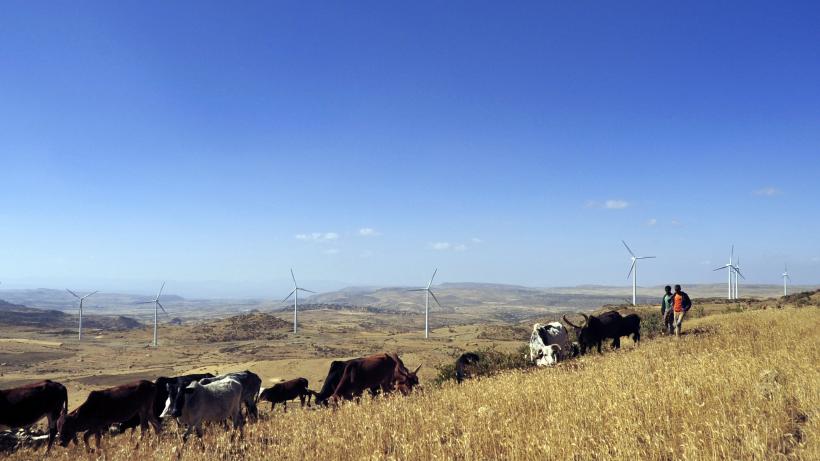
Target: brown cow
(108, 406)
(384, 371)
(24, 406)
(288, 390)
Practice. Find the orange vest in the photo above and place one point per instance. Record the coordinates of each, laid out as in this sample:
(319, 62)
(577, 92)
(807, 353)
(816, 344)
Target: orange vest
(678, 302)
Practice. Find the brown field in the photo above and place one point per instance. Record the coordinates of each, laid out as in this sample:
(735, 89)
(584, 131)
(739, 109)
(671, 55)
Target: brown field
(738, 386)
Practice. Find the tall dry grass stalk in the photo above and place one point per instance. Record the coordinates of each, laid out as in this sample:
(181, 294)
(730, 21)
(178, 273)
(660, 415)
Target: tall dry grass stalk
(740, 386)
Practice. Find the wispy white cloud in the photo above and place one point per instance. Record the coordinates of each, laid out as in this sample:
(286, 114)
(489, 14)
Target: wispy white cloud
(318, 237)
(365, 254)
(476, 240)
(441, 246)
(676, 222)
(616, 204)
(815, 259)
(460, 247)
(706, 263)
(651, 222)
(332, 251)
(768, 191)
(369, 232)
(611, 204)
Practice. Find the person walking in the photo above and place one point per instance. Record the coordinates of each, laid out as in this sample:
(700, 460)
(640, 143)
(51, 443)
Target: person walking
(667, 314)
(681, 305)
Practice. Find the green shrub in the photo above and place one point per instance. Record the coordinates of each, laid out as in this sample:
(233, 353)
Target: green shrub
(490, 361)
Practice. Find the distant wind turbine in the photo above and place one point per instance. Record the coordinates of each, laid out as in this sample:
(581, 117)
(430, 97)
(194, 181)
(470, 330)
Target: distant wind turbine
(633, 271)
(738, 276)
(157, 306)
(295, 294)
(785, 279)
(731, 270)
(80, 328)
(427, 293)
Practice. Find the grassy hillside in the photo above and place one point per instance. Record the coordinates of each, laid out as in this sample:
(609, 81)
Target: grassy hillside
(736, 386)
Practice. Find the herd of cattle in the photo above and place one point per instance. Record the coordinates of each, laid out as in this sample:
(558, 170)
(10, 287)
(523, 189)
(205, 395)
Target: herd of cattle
(192, 399)
(550, 343)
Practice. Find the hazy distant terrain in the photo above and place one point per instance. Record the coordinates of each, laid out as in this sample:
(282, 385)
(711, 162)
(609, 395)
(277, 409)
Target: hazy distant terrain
(495, 299)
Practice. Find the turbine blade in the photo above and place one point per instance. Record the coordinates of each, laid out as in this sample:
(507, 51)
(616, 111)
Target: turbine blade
(737, 270)
(90, 294)
(647, 257)
(163, 309)
(719, 268)
(434, 297)
(628, 249)
(305, 289)
(293, 277)
(146, 302)
(417, 289)
(288, 296)
(431, 278)
(74, 294)
(631, 268)
(160, 290)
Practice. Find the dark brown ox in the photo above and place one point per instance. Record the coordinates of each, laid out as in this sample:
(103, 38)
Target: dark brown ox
(288, 390)
(108, 406)
(380, 371)
(24, 406)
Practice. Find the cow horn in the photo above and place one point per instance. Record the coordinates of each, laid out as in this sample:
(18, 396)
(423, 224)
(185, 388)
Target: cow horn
(557, 345)
(586, 319)
(570, 323)
(417, 369)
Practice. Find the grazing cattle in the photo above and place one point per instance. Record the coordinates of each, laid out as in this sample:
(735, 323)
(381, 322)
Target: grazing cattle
(607, 325)
(216, 401)
(549, 344)
(630, 326)
(250, 381)
(24, 406)
(334, 375)
(468, 358)
(288, 390)
(161, 400)
(380, 371)
(105, 407)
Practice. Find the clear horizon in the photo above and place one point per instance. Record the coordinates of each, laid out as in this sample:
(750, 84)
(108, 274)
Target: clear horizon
(367, 144)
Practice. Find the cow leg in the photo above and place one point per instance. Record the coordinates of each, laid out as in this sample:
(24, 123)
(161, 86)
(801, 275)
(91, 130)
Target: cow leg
(272, 405)
(599, 347)
(52, 430)
(302, 400)
(285, 404)
(187, 433)
(98, 440)
(85, 440)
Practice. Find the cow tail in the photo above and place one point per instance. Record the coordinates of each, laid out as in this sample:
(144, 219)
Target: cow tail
(64, 395)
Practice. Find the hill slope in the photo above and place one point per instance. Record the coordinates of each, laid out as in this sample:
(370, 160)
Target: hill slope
(736, 386)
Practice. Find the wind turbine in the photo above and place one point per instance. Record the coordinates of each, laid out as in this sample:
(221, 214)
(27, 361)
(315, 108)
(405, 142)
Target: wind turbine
(633, 271)
(731, 271)
(295, 294)
(738, 276)
(157, 306)
(427, 293)
(80, 329)
(786, 277)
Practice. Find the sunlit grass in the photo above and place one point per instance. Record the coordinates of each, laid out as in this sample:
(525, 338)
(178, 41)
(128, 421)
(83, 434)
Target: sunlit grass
(738, 386)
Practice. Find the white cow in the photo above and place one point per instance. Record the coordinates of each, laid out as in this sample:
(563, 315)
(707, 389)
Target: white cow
(549, 344)
(215, 401)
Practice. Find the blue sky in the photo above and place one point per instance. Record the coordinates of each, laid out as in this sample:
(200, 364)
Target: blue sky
(216, 146)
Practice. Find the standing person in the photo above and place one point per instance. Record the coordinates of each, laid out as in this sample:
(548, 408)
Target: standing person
(681, 305)
(666, 310)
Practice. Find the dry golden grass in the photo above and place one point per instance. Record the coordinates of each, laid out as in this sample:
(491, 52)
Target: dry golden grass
(738, 386)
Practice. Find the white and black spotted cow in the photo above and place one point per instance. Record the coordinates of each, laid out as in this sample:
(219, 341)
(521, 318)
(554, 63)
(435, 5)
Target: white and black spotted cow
(549, 344)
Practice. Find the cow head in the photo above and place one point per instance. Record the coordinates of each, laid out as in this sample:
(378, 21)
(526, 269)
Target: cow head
(176, 399)
(407, 380)
(67, 427)
(549, 356)
(585, 337)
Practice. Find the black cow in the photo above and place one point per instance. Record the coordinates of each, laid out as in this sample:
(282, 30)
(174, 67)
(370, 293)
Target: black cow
(467, 358)
(630, 326)
(288, 390)
(161, 400)
(596, 329)
(24, 406)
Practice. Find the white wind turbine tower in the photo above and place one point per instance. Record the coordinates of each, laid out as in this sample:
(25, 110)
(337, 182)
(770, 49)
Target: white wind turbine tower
(295, 294)
(786, 277)
(738, 276)
(81, 298)
(633, 271)
(731, 269)
(157, 306)
(427, 293)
